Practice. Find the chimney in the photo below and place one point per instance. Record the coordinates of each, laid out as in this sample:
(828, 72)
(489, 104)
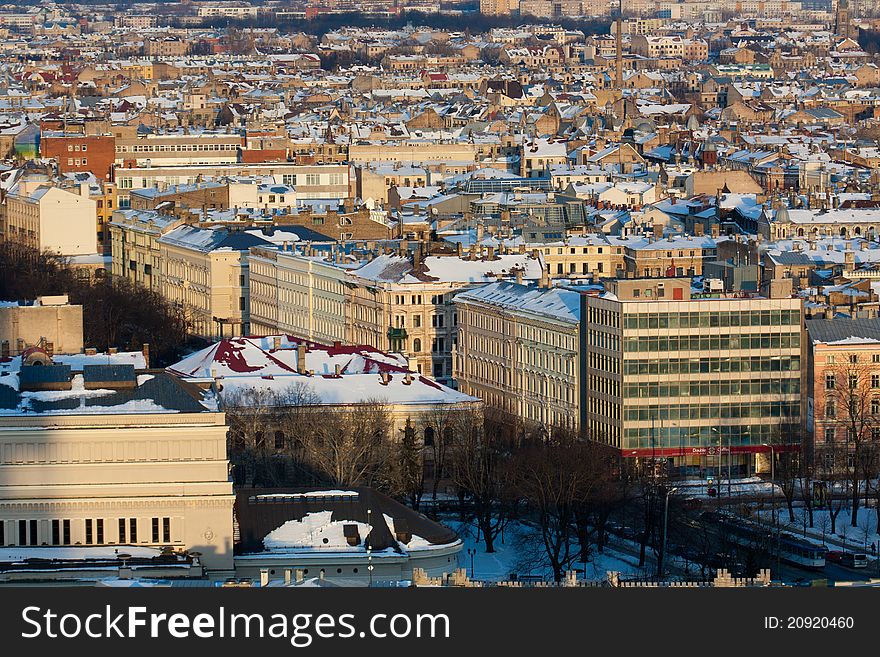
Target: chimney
(337, 370)
(276, 342)
(459, 249)
(490, 255)
(544, 282)
(287, 575)
(264, 576)
(146, 351)
(480, 231)
(385, 378)
(301, 358)
(519, 276)
(299, 575)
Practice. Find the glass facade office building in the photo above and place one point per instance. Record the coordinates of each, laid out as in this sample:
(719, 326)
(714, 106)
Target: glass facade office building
(694, 380)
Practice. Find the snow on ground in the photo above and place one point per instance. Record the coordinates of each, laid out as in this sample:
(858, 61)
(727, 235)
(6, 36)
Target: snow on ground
(520, 553)
(855, 538)
(742, 486)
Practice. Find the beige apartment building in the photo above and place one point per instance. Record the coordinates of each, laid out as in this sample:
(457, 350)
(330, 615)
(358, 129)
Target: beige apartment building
(205, 271)
(393, 303)
(173, 150)
(697, 383)
(583, 256)
(325, 181)
(297, 295)
(413, 151)
(51, 219)
(138, 461)
(134, 246)
(518, 350)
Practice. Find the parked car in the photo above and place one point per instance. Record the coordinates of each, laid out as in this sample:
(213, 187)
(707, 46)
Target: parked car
(854, 560)
(834, 556)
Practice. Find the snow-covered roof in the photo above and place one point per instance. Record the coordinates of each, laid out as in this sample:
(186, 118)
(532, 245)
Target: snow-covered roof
(270, 364)
(555, 303)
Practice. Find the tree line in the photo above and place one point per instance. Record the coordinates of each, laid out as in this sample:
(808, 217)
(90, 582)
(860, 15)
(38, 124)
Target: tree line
(499, 469)
(116, 312)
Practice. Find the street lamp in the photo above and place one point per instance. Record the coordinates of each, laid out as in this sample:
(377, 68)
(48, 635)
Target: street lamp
(662, 554)
(370, 547)
(772, 467)
(472, 553)
(717, 431)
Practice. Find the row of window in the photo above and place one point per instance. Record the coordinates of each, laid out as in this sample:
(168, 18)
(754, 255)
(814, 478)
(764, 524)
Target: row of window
(712, 388)
(653, 343)
(27, 532)
(724, 318)
(855, 381)
(174, 148)
(705, 436)
(708, 365)
(711, 411)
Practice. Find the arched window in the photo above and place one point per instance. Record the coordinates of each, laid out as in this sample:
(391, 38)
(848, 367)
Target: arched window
(417, 345)
(429, 436)
(279, 440)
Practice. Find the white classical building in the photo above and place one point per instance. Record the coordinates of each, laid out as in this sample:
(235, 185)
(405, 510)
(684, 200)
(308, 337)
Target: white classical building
(100, 458)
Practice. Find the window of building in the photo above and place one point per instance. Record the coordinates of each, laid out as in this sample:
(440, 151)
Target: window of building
(99, 531)
(155, 530)
(133, 530)
(56, 532)
(90, 537)
(166, 530)
(830, 409)
(122, 530)
(65, 532)
(33, 532)
(829, 382)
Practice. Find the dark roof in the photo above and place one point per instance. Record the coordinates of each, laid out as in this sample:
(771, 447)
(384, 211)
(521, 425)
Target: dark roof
(832, 330)
(31, 374)
(163, 389)
(240, 241)
(303, 232)
(108, 373)
(258, 517)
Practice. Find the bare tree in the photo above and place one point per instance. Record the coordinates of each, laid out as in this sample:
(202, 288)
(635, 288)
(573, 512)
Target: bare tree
(251, 413)
(351, 446)
(853, 404)
(438, 428)
(556, 479)
(479, 464)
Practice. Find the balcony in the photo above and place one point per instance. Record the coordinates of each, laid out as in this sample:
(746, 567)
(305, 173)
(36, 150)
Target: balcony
(396, 333)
